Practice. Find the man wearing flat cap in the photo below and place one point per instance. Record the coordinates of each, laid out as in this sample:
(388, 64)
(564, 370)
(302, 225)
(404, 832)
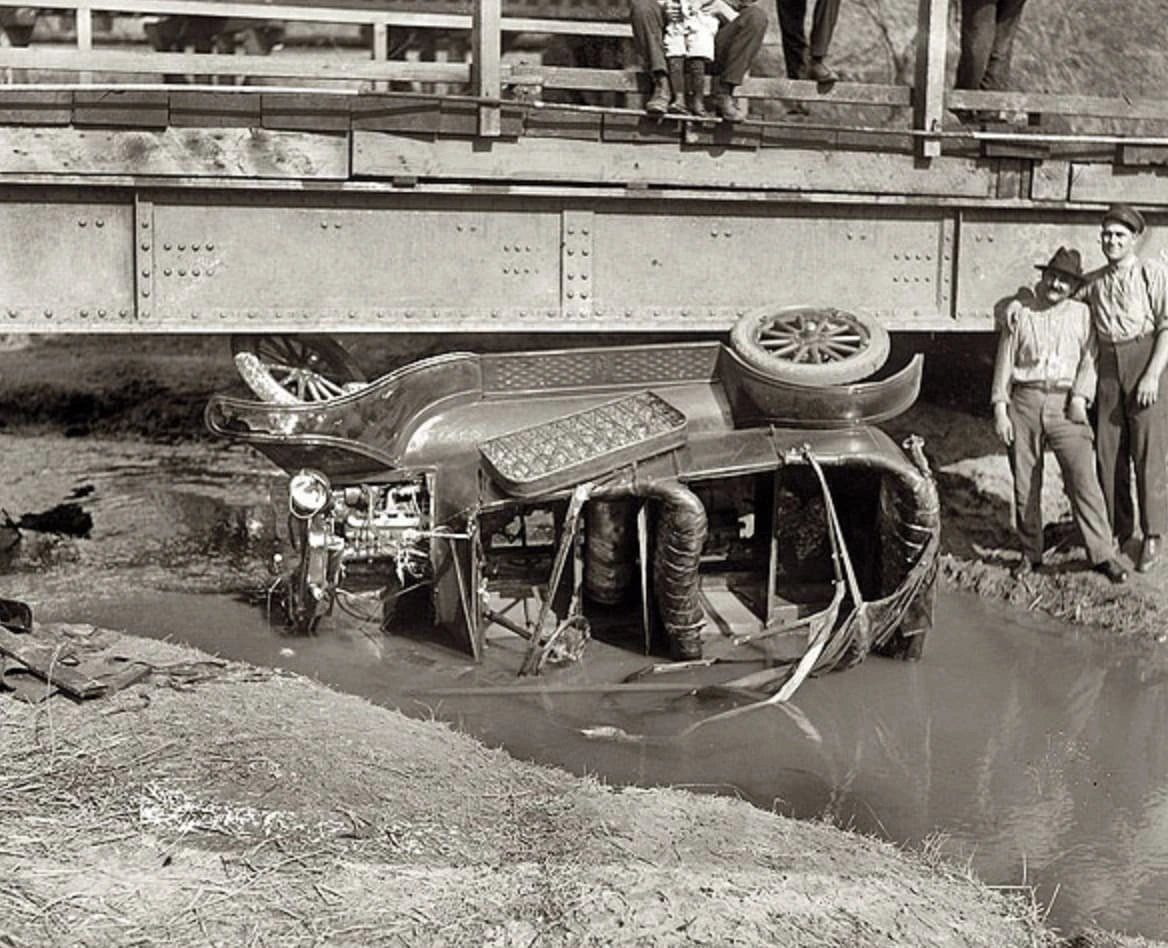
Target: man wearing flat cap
(1044, 378)
(1129, 309)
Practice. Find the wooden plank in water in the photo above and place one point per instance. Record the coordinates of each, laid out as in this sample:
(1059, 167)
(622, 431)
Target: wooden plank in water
(45, 661)
(219, 153)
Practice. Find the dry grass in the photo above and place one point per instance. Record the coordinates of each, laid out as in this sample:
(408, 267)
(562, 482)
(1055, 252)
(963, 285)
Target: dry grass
(239, 807)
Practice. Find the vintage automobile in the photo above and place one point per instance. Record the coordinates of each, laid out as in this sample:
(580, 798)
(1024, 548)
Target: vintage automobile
(684, 497)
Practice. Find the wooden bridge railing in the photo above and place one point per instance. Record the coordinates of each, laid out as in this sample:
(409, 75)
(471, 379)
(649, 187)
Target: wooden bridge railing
(490, 79)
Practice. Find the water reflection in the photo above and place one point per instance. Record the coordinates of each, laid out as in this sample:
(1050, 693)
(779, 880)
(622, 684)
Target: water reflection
(1038, 757)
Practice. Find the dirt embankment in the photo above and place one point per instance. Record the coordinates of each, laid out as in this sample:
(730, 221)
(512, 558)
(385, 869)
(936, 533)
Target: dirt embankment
(221, 804)
(225, 805)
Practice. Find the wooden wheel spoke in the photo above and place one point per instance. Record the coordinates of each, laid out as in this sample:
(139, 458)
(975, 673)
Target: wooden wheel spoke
(782, 346)
(307, 367)
(278, 348)
(810, 346)
(296, 350)
(798, 338)
(791, 327)
(837, 352)
(325, 388)
(330, 388)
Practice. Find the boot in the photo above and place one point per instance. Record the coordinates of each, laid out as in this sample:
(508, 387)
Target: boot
(677, 77)
(695, 86)
(659, 98)
(726, 105)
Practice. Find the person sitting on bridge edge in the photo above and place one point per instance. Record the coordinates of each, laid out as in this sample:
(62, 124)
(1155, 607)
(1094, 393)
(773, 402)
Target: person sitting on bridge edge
(988, 28)
(803, 60)
(690, 28)
(737, 42)
(1129, 306)
(1044, 377)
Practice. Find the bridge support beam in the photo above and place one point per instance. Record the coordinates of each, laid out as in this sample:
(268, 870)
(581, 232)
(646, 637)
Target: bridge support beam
(229, 259)
(929, 84)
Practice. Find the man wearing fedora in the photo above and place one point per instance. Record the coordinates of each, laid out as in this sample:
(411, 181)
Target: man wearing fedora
(1128, 297)
(1044, 378)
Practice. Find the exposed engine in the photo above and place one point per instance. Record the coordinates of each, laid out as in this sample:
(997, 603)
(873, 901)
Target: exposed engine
(385, 521)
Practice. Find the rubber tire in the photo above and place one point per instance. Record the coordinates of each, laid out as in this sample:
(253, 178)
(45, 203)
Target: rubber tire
(338, 366)
(870, 354)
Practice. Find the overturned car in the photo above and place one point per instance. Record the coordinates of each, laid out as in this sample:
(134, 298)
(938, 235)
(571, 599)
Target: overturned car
(682, 498)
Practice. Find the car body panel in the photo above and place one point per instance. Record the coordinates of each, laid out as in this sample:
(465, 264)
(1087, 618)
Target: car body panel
(449, 426)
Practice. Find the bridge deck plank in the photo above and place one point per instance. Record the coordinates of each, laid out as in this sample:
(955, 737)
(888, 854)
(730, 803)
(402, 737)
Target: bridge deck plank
(635, 164)
(190, 152)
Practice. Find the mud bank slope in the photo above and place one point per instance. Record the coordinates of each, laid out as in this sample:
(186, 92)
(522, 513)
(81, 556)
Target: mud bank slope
(221, 804)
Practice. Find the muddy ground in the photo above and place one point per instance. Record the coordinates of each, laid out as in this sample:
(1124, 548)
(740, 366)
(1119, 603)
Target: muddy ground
(223, 804)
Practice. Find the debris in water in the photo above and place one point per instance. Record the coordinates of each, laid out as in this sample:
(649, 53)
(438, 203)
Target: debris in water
(606, 732)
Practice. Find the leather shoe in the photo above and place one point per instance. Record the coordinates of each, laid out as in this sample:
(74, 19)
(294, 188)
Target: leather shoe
(1114, 572)
(1149, 554)
(727, 108)
(660, 97)
(822, 72)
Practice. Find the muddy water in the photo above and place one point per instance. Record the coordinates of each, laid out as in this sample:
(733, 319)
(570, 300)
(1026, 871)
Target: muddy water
(1037, 757)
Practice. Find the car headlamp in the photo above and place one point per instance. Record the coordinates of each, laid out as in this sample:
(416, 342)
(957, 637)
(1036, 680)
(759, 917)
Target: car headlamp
(308, 493)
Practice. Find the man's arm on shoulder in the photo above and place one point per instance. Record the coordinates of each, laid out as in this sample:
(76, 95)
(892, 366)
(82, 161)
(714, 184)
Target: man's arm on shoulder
(1082, 293)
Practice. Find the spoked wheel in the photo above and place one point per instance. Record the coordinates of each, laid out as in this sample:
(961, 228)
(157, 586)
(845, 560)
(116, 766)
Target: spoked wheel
(293, 369)
(810, 346)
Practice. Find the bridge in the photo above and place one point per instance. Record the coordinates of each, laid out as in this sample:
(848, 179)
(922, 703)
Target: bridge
(284, 193)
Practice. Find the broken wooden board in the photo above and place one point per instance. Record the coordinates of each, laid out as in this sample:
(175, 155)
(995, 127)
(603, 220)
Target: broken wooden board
(58, 662)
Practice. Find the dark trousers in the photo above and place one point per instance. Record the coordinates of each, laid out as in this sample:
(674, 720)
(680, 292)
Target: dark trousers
(1128, 435)
(792, 14)
(1040, 421)
(735, 46)
(988, 28)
